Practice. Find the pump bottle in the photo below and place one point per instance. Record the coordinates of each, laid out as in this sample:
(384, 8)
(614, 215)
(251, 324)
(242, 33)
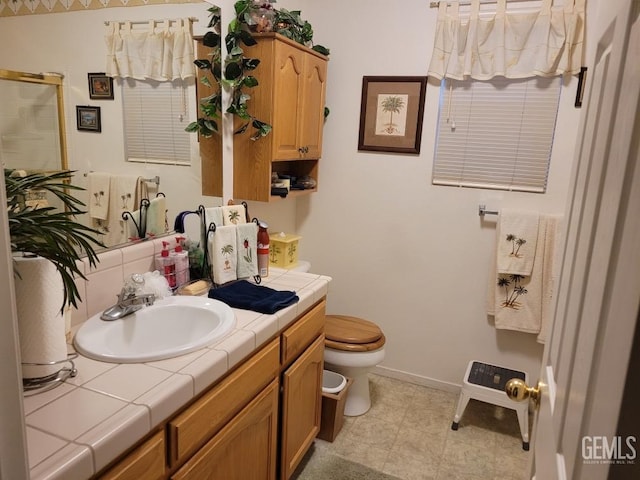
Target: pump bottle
(166, 265)
(263, 249)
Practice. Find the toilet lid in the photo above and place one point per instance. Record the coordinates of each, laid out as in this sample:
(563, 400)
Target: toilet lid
(345, 329)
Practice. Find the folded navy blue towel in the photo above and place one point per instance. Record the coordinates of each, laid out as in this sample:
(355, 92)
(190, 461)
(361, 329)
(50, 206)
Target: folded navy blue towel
(248, 296)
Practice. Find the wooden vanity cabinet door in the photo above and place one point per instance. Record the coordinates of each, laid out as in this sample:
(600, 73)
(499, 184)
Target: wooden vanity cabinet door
(299, 336)
(245, 449)
(288, 114)
(313, 103)
(147, 461)
(301, 406)
(193, 427)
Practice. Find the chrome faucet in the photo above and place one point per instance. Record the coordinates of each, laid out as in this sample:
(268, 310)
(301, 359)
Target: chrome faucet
(129, 299)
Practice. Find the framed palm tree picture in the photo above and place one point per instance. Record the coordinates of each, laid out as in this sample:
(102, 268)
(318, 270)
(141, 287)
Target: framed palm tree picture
(391, 114)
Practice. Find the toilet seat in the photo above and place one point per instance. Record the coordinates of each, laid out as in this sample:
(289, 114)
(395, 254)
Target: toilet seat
(352, 334)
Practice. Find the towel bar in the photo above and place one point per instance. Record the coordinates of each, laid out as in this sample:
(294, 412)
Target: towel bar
(482, 211)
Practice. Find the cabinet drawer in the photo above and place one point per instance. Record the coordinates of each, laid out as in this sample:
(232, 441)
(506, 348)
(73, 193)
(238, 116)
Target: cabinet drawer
(147, 461)
(244, 449)
(192, 428)
(296, 338)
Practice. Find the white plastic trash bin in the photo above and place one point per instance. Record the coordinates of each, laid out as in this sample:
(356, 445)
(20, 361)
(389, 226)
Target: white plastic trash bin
(332, 382)
(334, 397)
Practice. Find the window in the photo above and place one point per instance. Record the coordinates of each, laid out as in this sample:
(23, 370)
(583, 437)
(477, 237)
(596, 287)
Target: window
(155, 116)
(496, 134)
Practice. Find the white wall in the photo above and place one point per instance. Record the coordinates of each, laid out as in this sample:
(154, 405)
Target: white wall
(411, 256)
(408, 255)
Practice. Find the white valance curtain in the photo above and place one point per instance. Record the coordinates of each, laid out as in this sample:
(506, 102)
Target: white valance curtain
(160, 52)
(546, 43)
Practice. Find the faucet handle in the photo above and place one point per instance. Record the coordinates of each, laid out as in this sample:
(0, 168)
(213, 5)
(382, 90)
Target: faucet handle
(133, 285)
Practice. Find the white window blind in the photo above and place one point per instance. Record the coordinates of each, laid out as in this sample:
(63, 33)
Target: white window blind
(496, 134)
(155, 116)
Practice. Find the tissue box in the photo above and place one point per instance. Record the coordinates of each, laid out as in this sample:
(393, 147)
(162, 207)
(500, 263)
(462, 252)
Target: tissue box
(283, 250)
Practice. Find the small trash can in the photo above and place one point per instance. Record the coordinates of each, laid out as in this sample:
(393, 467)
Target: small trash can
(334, 396)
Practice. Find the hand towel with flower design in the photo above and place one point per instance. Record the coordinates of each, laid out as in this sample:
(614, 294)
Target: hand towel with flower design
(249, 296)
(247, 249)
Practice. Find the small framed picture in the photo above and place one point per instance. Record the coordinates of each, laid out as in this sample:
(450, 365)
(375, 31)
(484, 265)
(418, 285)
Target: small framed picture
(391, 114)
(100, 86)
(88, 118)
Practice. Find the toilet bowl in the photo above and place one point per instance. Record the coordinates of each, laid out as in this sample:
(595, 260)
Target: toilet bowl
(353, 346)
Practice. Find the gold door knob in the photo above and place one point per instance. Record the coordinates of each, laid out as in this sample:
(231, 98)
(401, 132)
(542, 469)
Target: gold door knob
(519, 391)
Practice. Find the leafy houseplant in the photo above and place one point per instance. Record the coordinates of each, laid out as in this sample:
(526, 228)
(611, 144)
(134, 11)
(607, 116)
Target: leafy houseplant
(50, 232)
(237, 67)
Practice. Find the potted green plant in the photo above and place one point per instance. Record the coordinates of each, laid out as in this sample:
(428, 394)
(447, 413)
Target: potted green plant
(237, 74)
(38, 231)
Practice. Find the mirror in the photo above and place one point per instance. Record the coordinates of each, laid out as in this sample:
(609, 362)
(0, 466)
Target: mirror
(32, 134)
(103, 151)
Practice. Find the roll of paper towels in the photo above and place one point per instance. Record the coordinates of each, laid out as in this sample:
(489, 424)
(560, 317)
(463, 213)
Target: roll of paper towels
(41, 325)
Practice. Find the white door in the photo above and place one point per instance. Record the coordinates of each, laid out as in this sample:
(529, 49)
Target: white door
(585, 360)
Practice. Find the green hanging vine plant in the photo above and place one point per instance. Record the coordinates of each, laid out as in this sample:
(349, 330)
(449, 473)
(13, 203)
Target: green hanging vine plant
(250, 15)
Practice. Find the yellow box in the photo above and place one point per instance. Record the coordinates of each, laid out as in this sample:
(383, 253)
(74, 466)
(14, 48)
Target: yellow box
(283, 250)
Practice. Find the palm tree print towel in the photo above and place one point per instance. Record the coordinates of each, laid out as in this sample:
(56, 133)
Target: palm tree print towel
(517, 234)
(523, 302)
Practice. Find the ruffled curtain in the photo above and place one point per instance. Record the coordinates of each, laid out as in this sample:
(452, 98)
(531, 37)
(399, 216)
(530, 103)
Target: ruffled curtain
(160, 52)
(544, 43)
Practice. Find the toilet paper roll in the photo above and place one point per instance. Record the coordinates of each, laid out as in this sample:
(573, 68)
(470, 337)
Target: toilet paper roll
(41, 325)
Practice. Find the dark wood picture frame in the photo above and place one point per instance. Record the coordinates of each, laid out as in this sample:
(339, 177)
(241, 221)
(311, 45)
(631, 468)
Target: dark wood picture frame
(382, 98)
(88, 118)
(100, 86)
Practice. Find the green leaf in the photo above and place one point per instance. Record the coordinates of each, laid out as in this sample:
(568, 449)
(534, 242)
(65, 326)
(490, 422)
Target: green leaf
(250, 81)
(211, 39)
(50, 232)
(247, 38)
(230, 41)
(241, 6)
(263, 129)
(320, 49)
(250, 63)
(236, 52)
(192, 127)
(216, 70)
(232, 71)
(242, 129)
(205, 81)
(202, 63)
(211, 125)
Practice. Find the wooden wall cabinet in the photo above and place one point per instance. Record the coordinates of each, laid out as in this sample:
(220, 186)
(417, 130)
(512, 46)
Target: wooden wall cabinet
(231, 431)
(291, 98)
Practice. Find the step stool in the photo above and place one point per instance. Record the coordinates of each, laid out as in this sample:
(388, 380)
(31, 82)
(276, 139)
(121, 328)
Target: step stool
(486, 382)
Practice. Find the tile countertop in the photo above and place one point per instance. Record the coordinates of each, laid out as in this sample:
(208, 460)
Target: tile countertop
(79, 427)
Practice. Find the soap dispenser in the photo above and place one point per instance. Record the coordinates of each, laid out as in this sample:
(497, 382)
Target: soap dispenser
(181, 259)
(166, 265)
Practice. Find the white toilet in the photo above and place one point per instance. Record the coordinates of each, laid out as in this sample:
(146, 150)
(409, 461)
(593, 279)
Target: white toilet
(353, 346)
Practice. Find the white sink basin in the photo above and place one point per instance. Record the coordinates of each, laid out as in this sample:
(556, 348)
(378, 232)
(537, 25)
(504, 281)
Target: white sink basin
(171, 327)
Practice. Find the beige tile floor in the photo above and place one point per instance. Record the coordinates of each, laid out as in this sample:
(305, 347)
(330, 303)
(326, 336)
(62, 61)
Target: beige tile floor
(407, 433)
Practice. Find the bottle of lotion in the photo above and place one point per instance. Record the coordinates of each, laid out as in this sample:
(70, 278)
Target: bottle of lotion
(166, 265)
(263, 249)
(181, 260)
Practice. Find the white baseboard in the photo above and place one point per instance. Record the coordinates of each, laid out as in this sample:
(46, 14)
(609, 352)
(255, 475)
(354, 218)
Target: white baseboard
(416, 379)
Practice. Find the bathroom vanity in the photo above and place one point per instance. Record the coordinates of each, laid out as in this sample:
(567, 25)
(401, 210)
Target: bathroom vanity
(256, 417)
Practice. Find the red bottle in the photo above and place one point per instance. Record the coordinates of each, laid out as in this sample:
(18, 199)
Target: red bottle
(263, 249)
